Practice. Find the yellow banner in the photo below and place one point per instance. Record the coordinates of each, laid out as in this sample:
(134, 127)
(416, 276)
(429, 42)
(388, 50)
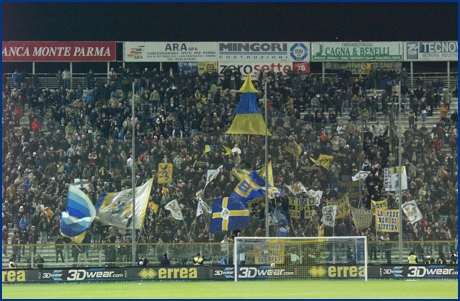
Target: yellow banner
(323, 160)
(293, 148)
(165, 173)
(343, 207)
(382, 204)
(275, 253)
(209, 67)
(387, 220)
(362, 218)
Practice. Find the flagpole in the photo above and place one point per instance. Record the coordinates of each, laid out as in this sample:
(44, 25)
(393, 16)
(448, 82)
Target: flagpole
(400, 178)
(133, 183)
(267, 229)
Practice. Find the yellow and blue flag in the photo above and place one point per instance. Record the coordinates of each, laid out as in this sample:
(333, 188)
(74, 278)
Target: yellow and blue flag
(251, 187)
(228, 215)
(208, 148)
(248, 119)
(79, 215)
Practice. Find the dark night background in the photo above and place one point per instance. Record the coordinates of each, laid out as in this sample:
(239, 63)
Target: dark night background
(272, 21)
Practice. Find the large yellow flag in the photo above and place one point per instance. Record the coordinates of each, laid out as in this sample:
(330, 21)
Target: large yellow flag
(323, 160)
(165, 173)
(293, 148)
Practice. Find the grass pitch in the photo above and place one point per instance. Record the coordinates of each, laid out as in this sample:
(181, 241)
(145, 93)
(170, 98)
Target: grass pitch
(334, 289)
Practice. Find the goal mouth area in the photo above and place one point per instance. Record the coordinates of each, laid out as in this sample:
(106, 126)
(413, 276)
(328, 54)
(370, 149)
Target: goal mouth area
(300, 258)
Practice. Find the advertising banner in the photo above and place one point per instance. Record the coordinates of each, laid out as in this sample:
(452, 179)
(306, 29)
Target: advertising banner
(222, 272)
(419, 271)
(19, 275)
(170, 51)
(356, 51)
(265, 272)
(58, 51)
(264, 52)
(82, 274)
(167, 273)
(254, 68)
(431, 51)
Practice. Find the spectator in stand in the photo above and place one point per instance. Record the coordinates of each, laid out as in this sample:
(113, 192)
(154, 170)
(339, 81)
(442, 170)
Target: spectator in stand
(66, 78)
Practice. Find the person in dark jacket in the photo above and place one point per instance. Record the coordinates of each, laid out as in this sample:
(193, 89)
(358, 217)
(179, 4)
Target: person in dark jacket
(165, 260)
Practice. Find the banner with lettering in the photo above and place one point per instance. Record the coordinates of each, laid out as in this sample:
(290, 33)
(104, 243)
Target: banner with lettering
(391, 178)
(343, 207)
(301, 208)
(387, 220)
(362, 218)
(58, 51)
(350, 187)
(382, 204)
(431, 51)
(275, 252)
(356, 51)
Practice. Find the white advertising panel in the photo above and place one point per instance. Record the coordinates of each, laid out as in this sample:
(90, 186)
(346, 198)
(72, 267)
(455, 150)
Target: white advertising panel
(264, 51)
(356, 51)
(431, 51)
(170, 51)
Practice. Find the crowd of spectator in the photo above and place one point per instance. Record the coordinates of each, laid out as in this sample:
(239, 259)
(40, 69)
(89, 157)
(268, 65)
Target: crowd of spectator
(51, 137)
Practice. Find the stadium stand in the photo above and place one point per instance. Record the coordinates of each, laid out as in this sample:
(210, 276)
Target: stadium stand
(52, 135)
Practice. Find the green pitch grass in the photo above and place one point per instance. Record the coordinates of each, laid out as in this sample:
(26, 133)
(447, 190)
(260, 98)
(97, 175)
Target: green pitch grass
(337, 289)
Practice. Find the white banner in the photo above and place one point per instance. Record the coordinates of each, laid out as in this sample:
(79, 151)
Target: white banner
(117, 208)
(431, 51)
(391, 179)
(329, 213)
(211, 175)
(170, 51)
(412, 212)
(175, 210)
(356, 51)
(264, 51)
(360, 175)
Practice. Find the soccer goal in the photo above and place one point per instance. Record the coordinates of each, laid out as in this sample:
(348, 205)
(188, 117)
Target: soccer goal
(284, 258)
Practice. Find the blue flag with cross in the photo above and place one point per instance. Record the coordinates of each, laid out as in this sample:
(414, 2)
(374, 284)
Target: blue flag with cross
(228, 215)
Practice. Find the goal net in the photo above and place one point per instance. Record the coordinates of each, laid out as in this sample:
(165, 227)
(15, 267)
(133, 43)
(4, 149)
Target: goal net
(284, 258)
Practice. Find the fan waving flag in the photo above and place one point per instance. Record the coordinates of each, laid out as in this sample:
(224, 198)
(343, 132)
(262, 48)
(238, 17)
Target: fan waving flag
(116, 208)
(323, 160)
(79, 215)
(228, 150)
(278, 216)
(208, 148)
(228, 215)
(175, 210)
(248, 118)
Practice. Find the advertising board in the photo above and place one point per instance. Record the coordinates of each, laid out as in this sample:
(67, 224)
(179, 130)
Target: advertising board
(261, 52)
(431, 51)
(169, 51)
(419, 271)
(82, 274)
(168, 273)
(19, 275)
(58, 51)
(356, 51)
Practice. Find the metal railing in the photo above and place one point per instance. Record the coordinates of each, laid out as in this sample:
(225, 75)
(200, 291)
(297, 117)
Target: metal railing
(179, 254)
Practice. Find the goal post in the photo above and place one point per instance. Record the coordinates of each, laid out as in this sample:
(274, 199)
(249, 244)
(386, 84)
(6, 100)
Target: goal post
(309, 258)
